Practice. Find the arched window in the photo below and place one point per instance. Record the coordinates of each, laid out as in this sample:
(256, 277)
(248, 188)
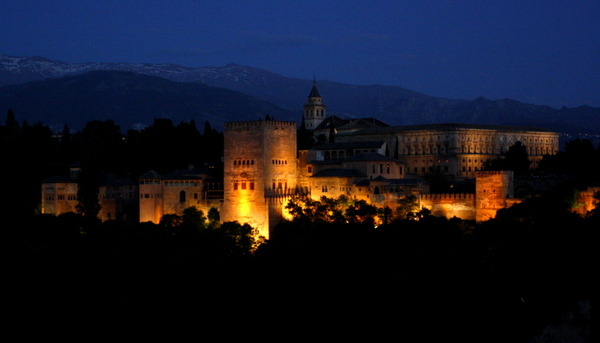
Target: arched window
(182, 196)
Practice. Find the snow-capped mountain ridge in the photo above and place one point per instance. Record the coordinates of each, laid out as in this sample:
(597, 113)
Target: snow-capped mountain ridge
(16, 70)
(391, 104)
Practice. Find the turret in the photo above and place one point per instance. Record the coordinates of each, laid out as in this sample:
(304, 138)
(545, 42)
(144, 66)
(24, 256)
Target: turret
(314, 109)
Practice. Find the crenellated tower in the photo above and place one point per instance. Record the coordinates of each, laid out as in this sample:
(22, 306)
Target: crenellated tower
(259, 168)
(314, 109)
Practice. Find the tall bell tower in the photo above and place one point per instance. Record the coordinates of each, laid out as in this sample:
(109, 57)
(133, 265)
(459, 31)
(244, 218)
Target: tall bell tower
(314, 109)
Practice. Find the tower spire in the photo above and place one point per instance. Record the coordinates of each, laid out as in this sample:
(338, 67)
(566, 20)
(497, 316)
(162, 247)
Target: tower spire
(314, 109)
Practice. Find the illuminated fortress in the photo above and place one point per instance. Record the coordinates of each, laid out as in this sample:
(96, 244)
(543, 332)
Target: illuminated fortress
(366, 159)
(260, 171)
(362, 159)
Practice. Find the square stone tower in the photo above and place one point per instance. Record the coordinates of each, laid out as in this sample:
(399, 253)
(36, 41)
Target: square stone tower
(259, 166)
(493, 189)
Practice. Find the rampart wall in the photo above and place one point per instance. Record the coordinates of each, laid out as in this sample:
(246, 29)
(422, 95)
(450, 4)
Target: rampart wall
(461, 205)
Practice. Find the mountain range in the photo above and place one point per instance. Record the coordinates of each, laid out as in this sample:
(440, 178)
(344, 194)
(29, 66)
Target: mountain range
(58, 93)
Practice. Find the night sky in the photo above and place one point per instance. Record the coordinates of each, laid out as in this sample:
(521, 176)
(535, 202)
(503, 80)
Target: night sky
(540, 52)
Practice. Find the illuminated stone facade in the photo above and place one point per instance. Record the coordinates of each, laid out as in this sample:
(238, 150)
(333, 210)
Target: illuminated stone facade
(364, 159)
(117, 198)
(260, 171)
(459, 150)
(173, 193)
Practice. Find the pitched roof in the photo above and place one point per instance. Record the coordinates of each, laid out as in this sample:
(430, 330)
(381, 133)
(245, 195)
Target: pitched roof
(314, 92)
(151, 175)
(352, 123)
(447, 127)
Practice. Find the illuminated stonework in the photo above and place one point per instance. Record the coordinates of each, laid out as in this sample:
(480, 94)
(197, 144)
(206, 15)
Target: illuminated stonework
(364, 159)
(459, 150)
(492, 190)
(173, 193)
(260, 171)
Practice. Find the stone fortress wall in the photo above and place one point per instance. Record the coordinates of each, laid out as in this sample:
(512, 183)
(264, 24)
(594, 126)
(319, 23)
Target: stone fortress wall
(259, 163)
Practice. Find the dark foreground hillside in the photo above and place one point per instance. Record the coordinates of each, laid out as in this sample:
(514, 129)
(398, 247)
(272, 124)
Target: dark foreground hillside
(505, 280)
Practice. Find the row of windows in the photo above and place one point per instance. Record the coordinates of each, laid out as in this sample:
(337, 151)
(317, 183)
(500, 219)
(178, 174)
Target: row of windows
(51, 197)
(279, 162)
(181, 183)
(423, 138)
(424, 169)
(182, 196)
(129, 195)
(317, 113)
(388, 168)
(431, 160)
(477, 149)
(335, 155)
(243, 186)
(149, 182)
(375, 190)
(243, 162)
(150, 196)
(280, 185)
(427, 150)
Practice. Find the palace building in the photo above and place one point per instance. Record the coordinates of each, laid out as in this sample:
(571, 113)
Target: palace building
(367, 159)
(362, 159)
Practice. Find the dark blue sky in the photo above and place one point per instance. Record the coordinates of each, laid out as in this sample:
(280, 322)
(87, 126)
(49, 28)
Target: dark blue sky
(540, 52)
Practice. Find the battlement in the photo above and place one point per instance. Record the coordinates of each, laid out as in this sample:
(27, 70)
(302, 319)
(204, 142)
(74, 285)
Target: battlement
(447, 196)
(254, 124)
(493, 172)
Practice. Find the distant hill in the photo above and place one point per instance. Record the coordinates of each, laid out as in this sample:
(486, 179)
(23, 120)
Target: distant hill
(130, 99)
(394, 105)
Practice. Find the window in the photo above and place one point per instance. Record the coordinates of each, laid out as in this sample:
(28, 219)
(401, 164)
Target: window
(182, 196)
